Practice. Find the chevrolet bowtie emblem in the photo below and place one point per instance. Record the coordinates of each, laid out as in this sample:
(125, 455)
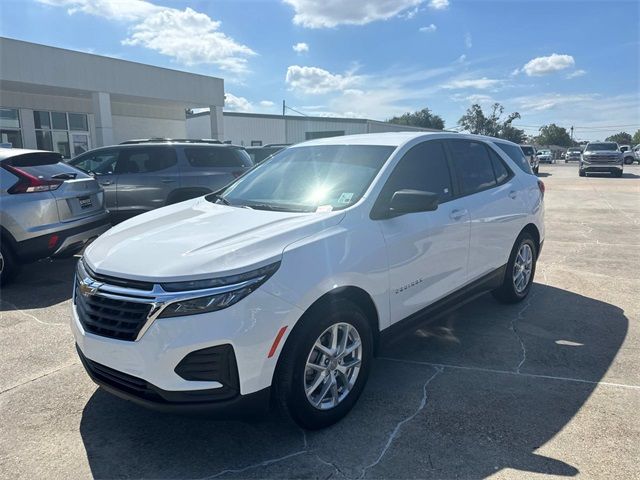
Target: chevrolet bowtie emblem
(89, 289)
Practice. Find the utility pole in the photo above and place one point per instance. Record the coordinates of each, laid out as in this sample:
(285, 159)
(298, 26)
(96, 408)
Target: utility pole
(284, 106)
(571, 133)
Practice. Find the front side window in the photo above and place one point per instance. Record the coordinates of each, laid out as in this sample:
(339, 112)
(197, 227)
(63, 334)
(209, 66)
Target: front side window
(516, 154)
(306, 179)
(101, 162)
(473, 165)
(423, 168)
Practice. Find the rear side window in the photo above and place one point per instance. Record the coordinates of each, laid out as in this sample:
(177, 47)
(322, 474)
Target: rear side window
(145, 160)
(501, 171)
(217, 157)
(528, 150)
(473, 166)
(516, 154)
(425, 168)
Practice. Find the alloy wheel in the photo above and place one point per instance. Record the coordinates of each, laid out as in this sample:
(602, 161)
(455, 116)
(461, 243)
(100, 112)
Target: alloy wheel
(333, 365)
(1, 263)
(522, 268)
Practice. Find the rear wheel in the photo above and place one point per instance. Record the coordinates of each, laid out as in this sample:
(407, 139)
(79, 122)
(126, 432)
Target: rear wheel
(521, 269)
(324, 365)
(8, 264)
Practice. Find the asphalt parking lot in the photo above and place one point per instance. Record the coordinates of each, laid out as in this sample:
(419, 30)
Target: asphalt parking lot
(549, 386)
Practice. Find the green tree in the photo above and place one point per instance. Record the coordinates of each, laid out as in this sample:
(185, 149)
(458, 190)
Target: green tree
(424, 118)
(475, 121)
(622, 138)
(552, 134)
(636, 137)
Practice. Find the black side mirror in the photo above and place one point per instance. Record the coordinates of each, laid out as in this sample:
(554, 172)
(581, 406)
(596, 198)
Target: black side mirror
(412, 201)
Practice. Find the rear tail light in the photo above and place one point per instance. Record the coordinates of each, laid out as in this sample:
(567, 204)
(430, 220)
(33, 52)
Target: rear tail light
(27, 183)
(541, 187)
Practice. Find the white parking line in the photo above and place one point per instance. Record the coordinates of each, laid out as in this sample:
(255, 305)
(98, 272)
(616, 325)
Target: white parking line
(507, 372)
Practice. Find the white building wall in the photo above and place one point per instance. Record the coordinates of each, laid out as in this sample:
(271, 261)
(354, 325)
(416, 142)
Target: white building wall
(199, 127)
(244, 130)
(297, 129)
(128, 128)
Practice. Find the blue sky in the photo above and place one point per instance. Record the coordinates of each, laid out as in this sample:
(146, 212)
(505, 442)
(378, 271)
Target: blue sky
(568, 62)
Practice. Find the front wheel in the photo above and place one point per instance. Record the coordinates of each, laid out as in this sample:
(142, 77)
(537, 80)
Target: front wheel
(8, 264)
(324, 365)
(521, 269)
(581, 173)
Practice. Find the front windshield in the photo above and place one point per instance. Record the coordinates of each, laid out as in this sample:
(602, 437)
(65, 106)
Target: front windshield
(527, 150)
(307, 179)
(599, 147)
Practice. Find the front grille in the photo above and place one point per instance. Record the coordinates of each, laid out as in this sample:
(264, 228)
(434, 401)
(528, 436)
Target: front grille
(119, 319)
(603, 159)
(142, 389)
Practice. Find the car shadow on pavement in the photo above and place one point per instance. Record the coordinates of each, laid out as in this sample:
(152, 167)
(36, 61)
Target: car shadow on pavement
(474, 392)
(543, 174)
(39, 285)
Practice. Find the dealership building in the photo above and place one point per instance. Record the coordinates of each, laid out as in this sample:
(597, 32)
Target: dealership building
(68, 101)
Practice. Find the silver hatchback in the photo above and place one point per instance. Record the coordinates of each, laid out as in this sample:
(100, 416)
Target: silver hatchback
(47, 208)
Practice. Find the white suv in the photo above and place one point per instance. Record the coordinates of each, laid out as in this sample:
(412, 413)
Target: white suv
(281, 286)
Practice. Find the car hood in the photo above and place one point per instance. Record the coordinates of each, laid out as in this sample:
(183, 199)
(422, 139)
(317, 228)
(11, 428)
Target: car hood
(198, 239)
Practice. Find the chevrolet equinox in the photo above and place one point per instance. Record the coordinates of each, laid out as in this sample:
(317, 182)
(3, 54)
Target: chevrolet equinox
(278, 288)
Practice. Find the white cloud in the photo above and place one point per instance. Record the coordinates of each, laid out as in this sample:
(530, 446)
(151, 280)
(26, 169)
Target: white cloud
(266, 103)
(315, 80)
(479, 83)
(474, 98)
(301, 47)
(545, 65)
(462, 58)
(468, 41)
(187, 36)
(429, 29)
(331, 13)
(549, 101)
(439, 4)
(576, 73)
(236, 104)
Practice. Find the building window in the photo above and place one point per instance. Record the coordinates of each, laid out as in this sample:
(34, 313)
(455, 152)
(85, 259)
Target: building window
(10, 134)
(329, 133)
(256, 143)
(62, 132)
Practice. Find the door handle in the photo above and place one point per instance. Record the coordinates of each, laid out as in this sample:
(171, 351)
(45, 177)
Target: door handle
(106, 183)
(457, 214)
(513, 194)
(168, 180)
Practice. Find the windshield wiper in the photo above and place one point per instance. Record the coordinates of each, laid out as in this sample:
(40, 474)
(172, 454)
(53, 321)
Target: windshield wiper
(217, 197)
(274, 208)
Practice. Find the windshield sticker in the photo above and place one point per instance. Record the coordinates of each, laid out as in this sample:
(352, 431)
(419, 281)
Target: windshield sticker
(324, 209)
(345, 197)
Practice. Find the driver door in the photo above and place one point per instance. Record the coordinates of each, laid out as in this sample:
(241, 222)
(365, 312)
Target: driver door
(427, 251)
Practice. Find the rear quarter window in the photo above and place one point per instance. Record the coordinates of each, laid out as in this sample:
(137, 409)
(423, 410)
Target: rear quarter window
(516, 154)
(217, 157)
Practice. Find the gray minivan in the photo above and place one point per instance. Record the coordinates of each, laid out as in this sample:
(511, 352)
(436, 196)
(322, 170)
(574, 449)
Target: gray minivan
(146, 174)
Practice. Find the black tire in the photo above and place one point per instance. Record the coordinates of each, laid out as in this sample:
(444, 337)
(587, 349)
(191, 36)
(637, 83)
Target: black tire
(8, 264)
(628, 161)
(289, 380)
(618, 174)
(507, 292)
(582, 173)
(536, 170)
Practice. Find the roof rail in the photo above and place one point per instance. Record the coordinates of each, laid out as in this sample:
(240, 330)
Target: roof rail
(277, 145)
(168, 140)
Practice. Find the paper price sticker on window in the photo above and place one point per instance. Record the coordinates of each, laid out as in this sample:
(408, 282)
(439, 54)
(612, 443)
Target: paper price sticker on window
(324, 209)
(345, 197)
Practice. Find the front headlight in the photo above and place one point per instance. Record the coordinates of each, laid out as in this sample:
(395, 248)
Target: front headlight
(223, 292)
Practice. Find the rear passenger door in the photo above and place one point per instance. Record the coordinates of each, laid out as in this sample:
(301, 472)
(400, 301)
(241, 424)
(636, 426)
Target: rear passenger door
(213, 167)
(146, 176)
(427, 251)
(491, 193)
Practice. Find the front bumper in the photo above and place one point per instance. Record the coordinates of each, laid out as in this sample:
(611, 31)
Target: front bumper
(601, 167)
(149, 396)
(249, 327)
